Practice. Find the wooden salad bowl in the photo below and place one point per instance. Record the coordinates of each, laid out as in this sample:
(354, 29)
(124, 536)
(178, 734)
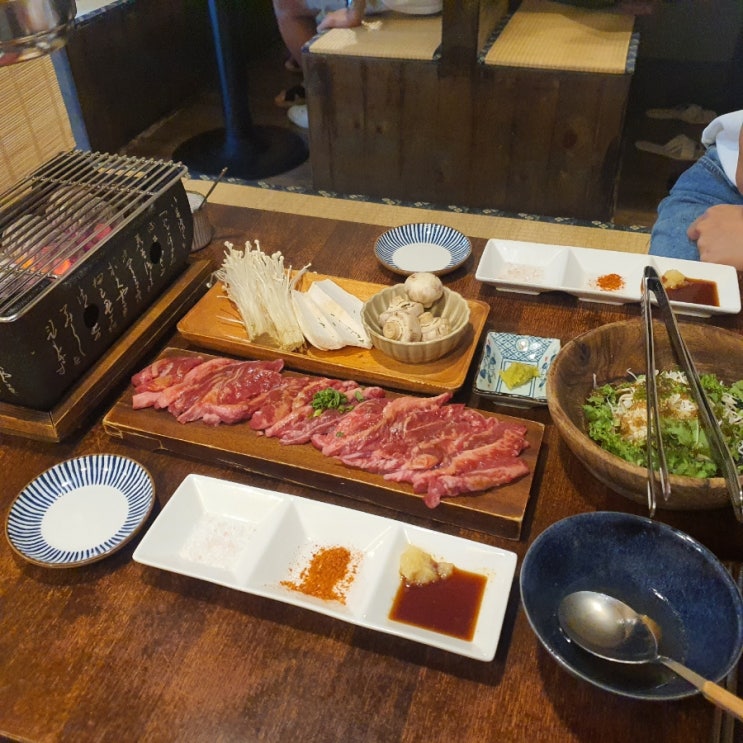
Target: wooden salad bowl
(607, 354)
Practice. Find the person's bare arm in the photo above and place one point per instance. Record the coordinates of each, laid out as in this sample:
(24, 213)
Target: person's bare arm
(344, 18)
(719, 234)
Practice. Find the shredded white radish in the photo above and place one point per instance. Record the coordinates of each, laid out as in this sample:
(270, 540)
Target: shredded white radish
(260, 287)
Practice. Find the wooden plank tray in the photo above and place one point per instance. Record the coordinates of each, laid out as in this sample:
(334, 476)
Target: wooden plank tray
(214, 323)
(72, 410)
(498, 511)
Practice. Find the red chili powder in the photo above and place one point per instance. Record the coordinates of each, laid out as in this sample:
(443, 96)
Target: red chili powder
(610, 282)
(327, 576)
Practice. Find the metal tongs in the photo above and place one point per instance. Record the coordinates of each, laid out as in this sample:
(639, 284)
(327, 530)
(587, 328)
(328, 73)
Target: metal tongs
(651, 283)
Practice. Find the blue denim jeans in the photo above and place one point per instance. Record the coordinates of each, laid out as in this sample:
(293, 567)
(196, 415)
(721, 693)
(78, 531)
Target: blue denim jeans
(703, 185)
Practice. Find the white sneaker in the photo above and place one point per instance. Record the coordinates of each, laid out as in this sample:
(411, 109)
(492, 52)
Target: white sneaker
(298, 116)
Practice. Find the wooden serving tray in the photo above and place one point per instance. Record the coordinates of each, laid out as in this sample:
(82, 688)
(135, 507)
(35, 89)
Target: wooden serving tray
(214, 323)
(498, 511)
(72, 410)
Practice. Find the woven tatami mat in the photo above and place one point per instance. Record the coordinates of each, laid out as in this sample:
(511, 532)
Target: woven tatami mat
(35, 123)
(390, 36)
(389, 215)
(548, 35)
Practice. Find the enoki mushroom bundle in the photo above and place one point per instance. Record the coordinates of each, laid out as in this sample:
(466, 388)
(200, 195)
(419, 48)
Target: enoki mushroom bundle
(260, 287)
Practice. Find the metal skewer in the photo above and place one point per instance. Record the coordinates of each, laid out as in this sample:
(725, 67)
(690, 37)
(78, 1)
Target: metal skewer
(212, 187)
(720, 452)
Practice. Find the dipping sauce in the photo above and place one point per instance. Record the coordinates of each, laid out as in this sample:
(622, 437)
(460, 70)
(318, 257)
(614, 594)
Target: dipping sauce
(450, 605)
(695, 291)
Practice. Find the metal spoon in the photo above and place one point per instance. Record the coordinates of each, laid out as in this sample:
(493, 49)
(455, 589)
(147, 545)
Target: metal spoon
(608, 628)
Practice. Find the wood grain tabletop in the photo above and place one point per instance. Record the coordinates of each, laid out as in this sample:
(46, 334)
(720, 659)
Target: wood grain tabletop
(117, 651)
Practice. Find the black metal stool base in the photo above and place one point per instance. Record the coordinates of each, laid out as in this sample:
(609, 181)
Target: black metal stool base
(269, 151)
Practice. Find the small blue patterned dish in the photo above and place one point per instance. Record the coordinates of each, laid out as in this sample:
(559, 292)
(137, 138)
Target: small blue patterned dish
(503, 349)
(422, 247)
(80, 510)
(656, 569)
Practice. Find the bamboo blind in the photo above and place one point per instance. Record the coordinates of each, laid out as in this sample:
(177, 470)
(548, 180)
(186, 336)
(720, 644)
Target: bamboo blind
(35, 125)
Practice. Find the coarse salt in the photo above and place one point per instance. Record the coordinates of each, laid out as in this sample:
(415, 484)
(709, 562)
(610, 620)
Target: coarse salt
(521, 272)
(216, 540)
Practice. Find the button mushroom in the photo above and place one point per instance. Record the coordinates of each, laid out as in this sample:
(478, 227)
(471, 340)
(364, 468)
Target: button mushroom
(401, 304)
(402, 326)
(424, 287)
(433, 327)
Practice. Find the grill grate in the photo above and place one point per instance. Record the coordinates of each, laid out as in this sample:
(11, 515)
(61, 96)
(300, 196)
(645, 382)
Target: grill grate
(53, 220)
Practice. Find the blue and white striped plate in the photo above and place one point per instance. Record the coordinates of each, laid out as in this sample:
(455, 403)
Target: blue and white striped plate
(422, 246)
(80, 510)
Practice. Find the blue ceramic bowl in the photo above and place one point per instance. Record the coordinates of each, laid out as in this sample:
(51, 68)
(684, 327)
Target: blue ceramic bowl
(659, 571)
(418, 247)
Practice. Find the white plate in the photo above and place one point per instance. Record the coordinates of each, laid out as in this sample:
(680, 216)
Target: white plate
(533, 268)
(499, 351)
(80, 510)
(422, 246)
(251, 539)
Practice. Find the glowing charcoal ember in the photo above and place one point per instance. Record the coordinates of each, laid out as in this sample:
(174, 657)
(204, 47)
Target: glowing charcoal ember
(74, 222)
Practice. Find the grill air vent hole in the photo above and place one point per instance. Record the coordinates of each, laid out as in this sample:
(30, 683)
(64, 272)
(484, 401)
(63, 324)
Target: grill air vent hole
(90, 315)
(156, 252)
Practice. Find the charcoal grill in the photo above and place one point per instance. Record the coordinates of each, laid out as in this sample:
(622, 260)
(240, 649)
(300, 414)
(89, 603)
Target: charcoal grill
(87, 242)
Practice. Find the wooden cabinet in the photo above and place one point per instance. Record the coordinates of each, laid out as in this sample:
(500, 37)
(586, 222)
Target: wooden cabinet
(454, 129)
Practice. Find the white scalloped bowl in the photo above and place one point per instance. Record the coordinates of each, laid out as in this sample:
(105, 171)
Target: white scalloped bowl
(451, 305)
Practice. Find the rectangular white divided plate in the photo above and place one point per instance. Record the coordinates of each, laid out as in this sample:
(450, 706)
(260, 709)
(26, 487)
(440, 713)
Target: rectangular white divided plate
(252, 539)
(532, 268)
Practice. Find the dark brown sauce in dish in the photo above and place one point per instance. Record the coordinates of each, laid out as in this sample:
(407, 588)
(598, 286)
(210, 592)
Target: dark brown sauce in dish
(449, 605)
(695, 291)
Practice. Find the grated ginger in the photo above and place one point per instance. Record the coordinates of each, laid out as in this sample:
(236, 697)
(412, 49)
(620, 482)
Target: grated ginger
(518, 373)
(419, 568)
(673, 279)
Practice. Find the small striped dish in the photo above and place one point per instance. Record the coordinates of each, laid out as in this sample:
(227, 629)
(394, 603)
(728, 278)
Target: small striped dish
(80, 511)
(422, 246)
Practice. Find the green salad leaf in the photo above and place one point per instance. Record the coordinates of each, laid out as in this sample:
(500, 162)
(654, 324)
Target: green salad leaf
(616, 420)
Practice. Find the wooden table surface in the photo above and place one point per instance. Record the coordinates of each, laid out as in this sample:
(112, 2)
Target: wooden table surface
(118, 651)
